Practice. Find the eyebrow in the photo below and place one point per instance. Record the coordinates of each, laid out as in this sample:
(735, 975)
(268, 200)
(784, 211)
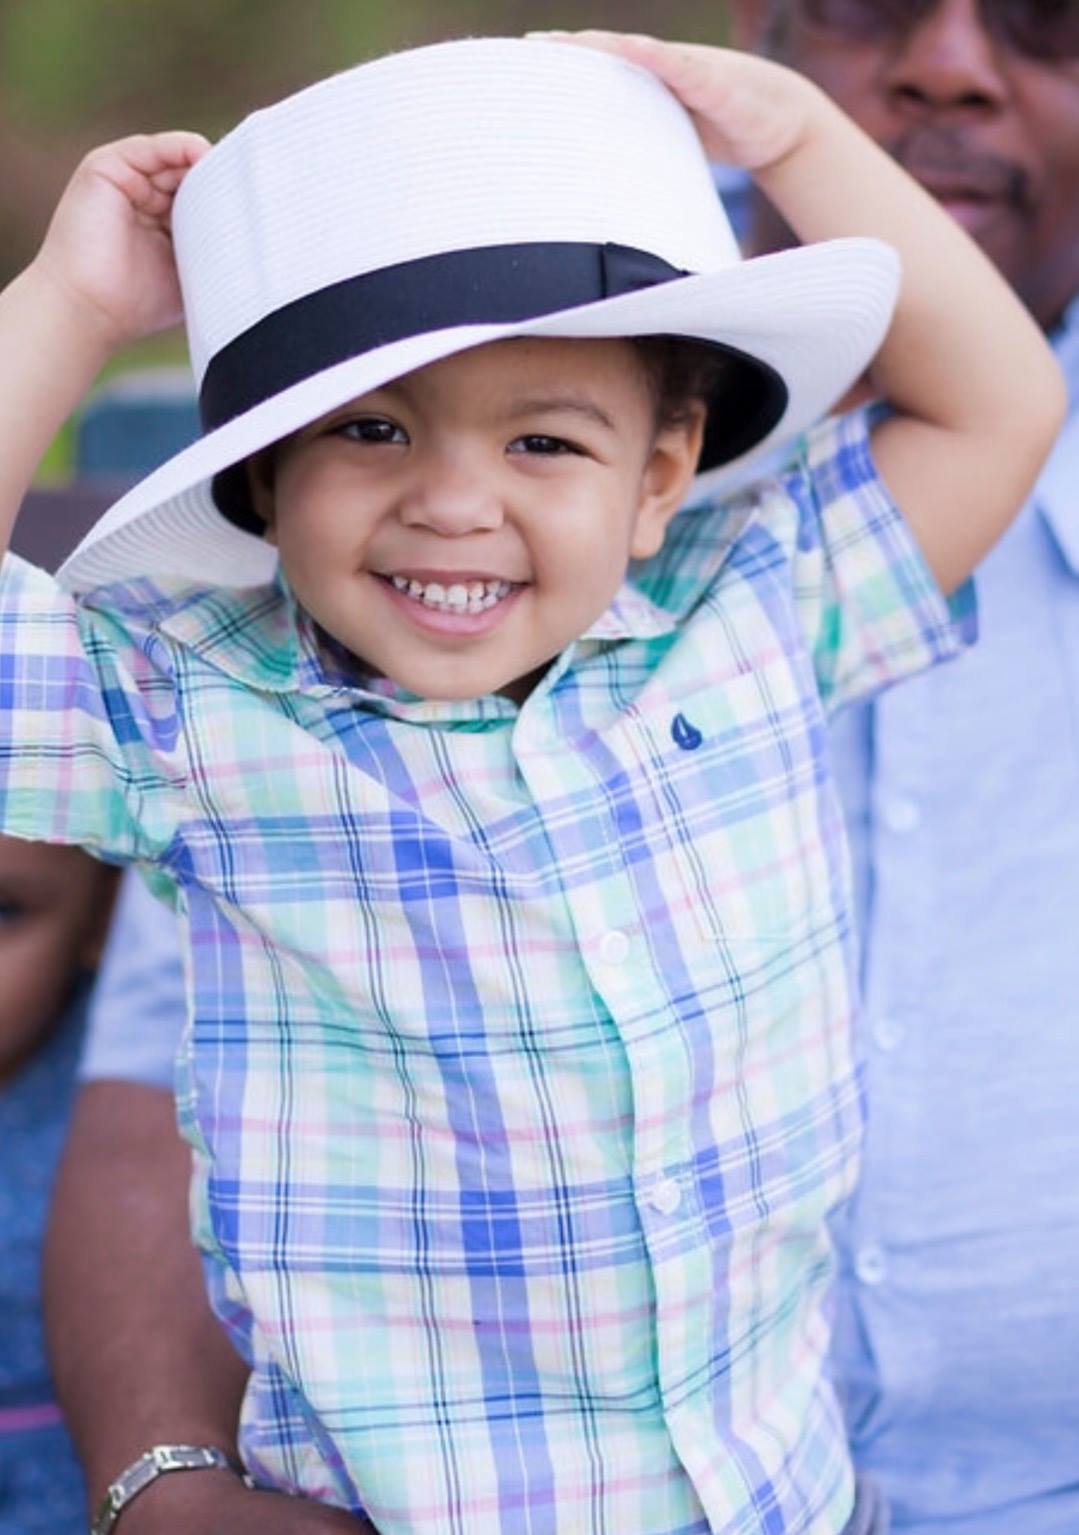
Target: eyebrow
(531, 405)
(576, 404)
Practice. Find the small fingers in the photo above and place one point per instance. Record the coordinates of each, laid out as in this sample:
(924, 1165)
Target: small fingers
(689, 70)
(147, 168)
(153, 152)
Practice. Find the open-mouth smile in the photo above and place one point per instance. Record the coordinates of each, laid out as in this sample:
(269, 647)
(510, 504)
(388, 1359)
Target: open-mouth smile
(473, 596)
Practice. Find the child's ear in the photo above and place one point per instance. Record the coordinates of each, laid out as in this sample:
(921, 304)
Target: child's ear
(259, 469)
(666, 479)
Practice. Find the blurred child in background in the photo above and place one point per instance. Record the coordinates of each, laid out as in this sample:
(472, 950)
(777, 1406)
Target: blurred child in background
(54, 911)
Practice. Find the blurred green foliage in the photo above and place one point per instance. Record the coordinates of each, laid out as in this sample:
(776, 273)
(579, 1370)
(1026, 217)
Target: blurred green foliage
(75, 73)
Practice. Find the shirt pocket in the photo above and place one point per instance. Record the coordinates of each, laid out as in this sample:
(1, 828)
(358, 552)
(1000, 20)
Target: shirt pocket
(749, 838)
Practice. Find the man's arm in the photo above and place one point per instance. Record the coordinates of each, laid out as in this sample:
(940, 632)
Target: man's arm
(138, 1356)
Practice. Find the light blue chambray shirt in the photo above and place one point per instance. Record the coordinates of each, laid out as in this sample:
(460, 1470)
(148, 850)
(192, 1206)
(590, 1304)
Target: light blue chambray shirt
(958, 1335)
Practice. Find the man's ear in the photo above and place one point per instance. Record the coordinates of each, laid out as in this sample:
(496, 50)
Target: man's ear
(747, 20)
(259, 469)
(666, 479)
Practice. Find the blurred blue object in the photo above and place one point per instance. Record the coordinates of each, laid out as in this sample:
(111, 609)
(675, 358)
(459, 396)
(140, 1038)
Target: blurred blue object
(134, 423)
(736, 194)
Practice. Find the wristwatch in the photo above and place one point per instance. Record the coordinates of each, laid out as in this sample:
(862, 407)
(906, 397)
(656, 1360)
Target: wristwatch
(158, 1461)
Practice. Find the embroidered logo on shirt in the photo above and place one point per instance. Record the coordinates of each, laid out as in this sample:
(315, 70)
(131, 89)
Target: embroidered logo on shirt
(685, 735)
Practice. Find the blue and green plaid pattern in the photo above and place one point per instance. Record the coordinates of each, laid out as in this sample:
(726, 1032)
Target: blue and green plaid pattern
(520, 1072)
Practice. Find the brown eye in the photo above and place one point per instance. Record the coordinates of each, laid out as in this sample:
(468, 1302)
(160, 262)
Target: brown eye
(370, 429)
(540, 443)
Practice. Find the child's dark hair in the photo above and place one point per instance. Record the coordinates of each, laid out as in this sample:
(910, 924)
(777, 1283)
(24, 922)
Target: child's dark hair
(744, 398)
(682, 373)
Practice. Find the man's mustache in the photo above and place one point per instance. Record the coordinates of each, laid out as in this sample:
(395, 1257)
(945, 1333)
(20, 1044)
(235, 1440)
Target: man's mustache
(943, 159)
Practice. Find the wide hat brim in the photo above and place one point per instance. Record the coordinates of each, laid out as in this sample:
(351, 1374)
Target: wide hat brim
(816, 315)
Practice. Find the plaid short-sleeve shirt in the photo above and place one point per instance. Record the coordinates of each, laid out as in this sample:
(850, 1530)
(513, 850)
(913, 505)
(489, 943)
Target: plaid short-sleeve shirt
(519, 1073)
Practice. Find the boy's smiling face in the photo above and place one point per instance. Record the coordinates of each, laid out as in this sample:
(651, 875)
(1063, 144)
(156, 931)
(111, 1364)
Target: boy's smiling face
(457, 528)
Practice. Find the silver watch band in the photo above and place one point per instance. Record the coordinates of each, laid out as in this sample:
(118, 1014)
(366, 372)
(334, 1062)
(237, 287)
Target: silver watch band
(158, 1461)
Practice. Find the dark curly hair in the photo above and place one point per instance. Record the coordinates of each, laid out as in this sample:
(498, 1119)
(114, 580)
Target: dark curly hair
(681, 373)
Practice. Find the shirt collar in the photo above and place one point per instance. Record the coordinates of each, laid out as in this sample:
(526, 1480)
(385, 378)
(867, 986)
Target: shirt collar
(262, 638)
(631, 616)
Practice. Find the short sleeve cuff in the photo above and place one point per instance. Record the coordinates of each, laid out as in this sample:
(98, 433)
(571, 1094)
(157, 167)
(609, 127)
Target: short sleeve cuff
(883, 616)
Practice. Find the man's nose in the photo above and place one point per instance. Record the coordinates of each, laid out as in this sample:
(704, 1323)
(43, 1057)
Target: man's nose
(452, 494)
(949, 61)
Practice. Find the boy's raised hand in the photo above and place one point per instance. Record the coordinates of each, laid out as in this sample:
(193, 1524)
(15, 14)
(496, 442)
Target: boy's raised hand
(108, 250)
(748, 111)
(105, 275)
(977, 397)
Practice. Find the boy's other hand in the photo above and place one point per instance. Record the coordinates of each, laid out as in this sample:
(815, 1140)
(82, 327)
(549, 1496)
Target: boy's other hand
(108, 250)
(748, 111)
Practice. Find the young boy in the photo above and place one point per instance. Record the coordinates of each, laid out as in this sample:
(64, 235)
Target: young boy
(519, 1076)
(54, 911)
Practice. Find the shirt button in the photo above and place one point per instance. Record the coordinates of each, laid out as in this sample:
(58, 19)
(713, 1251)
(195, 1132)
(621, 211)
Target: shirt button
(900, 815)
(887, 1034)
(869, 1265)
(614, 947)
(666, 1196)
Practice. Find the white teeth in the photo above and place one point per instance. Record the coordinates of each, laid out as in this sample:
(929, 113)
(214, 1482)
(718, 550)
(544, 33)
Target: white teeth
(459, 597)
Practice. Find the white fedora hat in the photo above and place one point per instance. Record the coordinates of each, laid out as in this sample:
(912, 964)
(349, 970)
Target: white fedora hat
(433, 200)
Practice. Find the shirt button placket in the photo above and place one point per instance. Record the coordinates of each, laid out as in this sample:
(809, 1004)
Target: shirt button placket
(665, 1196)
(614, 948)
(900, 814)
(870, 1265)
(887, 1033)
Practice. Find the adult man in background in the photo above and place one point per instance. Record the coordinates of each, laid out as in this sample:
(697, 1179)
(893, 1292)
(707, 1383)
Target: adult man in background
(958, 1332)
(957, 1347)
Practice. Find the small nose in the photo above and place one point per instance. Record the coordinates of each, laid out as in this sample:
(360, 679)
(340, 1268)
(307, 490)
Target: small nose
(947, 61)
(452, 495)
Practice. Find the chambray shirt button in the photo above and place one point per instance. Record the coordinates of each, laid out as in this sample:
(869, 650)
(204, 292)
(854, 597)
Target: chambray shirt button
(869, 1265)
(614, 947)
(900, 815)
(665, 1197)
(887, 1034)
